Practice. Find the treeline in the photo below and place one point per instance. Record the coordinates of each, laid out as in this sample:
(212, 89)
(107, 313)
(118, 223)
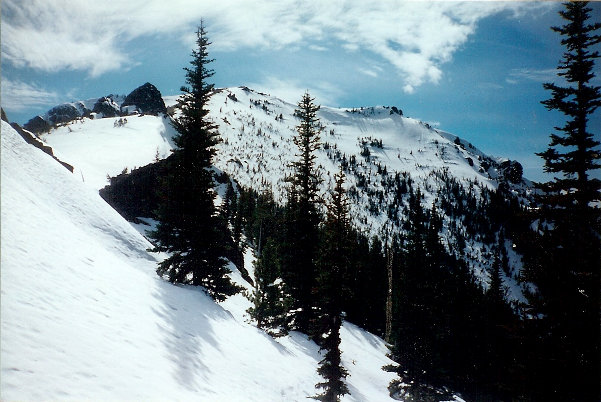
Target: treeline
(365, 280)
(413, 287)
(444, 329)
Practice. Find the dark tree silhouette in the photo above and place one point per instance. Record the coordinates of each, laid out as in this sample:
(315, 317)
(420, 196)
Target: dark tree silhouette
(303, 217)
(565, 266)
(333, 266)
(189, 228)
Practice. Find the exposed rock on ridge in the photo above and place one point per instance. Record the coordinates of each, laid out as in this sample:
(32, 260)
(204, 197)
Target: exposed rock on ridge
(147, 99)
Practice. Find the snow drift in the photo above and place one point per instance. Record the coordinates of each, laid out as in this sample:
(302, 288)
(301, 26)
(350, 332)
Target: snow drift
(85, 317)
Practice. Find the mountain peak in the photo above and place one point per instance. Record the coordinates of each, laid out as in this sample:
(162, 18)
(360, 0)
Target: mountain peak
(145, 99)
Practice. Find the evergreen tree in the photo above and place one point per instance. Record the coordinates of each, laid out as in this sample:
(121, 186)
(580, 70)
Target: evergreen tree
(268, 298)
(299, 271)
(498, 362)
(412, 317)
(496, 291)
(566, 268)
(578, 99)
(229, 206)
(441, 335)
(367, 281)
(189, 228)
(334, 262)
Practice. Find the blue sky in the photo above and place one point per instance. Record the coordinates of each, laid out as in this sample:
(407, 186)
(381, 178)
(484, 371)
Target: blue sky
(471, 68)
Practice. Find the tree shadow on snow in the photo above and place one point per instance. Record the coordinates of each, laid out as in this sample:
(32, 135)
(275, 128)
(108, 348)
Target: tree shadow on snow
(362, 336)
(185, 319)
(168, 133)
(304, 344)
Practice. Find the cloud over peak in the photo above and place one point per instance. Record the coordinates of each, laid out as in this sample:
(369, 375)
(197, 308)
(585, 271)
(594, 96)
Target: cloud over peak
(18, 96)
(416, 38)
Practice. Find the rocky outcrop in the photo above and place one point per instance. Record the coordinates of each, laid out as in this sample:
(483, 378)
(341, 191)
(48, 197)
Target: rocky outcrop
(147, 99)
(512, 171)
(63, 113)
(37, 125)
(57, 115)
(135, 194)
(32, 140)
(107, 107)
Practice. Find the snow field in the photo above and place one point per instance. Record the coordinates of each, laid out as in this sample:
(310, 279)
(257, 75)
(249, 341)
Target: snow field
(97, 147)
(85, 317)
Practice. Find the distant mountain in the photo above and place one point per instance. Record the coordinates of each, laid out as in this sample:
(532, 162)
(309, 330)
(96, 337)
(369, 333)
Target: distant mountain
(385, 155)
(146, 99)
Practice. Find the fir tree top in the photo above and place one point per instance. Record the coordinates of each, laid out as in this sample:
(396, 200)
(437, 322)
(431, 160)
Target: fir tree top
(306, 179)
(194, 129)
(578, 99)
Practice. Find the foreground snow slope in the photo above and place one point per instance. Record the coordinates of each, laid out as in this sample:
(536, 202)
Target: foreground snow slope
(84, 316)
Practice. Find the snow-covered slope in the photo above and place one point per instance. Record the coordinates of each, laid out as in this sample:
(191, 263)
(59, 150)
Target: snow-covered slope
(85, 317)
(258, 144)
(257, 130)
(101, 147)
(376, 144)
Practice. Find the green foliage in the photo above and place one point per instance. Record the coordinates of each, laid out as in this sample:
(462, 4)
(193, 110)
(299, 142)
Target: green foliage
(444, 332)
(270, 304)
(306, 178)
(564, 250)
(573, 151)
(333, 268)
(330, 367)
(302, 219)
(189, 228)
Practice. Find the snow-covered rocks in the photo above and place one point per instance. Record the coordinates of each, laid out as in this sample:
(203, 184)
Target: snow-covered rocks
(107, 107)
(145, 99)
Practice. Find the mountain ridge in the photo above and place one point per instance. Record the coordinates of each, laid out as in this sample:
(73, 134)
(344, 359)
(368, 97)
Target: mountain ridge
(382, 152)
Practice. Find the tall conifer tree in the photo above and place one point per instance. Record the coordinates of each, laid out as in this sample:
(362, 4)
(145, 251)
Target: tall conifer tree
(268, 298)
(573, 151)
(189, 229)
(566, 270)
(299, 271)
(334, 263)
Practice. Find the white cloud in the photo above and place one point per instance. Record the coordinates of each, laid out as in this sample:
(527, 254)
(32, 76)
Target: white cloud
(56, 37)
(368, 72)
(291, 91)
(18, 96)
(546, 75)
(408, 88)
(318, 48)
(415, 37)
